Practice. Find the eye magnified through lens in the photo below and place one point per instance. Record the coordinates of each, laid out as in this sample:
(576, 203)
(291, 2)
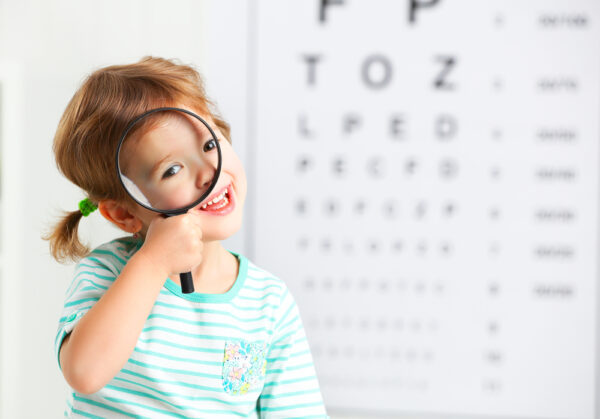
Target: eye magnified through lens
(172, 169)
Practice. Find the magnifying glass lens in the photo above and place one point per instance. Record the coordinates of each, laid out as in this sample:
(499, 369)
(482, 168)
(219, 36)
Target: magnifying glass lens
(169, 161)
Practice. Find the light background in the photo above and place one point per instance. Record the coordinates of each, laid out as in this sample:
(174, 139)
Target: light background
(490, 310)
(47, 48)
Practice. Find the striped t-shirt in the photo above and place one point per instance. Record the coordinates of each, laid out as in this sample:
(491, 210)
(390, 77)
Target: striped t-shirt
(243, 353)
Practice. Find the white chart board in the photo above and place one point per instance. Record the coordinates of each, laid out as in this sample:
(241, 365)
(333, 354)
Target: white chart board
(426, 181)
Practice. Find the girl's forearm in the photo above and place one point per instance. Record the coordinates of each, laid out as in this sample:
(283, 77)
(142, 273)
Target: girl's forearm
(102, 342)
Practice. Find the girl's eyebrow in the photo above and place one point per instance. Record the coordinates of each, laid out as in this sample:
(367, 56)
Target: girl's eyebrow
(159, 163)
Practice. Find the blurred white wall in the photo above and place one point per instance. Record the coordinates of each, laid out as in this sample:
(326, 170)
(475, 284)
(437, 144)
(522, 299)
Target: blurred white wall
(54, 45)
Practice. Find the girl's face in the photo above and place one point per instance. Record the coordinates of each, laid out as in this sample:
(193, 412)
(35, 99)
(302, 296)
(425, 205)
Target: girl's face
(173, 164)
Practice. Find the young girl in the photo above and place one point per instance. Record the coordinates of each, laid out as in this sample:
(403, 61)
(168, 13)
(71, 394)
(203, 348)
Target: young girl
(129, 342)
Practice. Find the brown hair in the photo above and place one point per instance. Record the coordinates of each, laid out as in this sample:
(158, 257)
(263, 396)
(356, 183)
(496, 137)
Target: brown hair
(89, 130)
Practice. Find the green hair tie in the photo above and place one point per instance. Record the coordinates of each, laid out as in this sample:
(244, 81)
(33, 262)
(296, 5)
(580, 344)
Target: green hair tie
(87, 207)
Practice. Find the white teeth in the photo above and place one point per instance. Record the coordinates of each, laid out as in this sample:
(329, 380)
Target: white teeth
(216, 199)
(225, 202)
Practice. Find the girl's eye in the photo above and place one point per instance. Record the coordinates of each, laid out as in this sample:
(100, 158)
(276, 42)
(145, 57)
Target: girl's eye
(209, 145)
(171, 171)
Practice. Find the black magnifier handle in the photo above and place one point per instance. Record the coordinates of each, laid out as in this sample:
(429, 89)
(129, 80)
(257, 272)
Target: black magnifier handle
(187, 283)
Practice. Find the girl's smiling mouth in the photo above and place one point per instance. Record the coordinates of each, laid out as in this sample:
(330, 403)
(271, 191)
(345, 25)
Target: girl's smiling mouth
(219, 203)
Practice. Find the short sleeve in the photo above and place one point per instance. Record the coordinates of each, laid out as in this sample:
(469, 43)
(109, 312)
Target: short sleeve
(93, 275)
(291, 386)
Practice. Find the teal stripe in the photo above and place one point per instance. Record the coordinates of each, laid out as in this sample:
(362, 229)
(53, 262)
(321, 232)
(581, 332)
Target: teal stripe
(237, 307)
(210, 311)
(214, 324)
(282, 346)
(86, 414)
(254, 308)
(170, 382)
(287, 335)
(288, 311)
(176, 345)
(109, 253)
(79, 310)
(102, 405)
(295, 319)
(285, 358)
(83, 300)
(177, 415)
(178, 383)
(175, 358)
(130, 241)
(285, 294)
(97, 275)
(293, 394)
(179, 332)
(150, 396)
(263, 274)
(173, 370)
(293, 406)
(192, 398)
(258, 298)
(93, 266)
(128, 248)
(290, 368)
(264, 288)
(259, 275)
(153, 409)
(112, 268)
(297, 380)
(302, 339)
(300, 353)
(90, 288)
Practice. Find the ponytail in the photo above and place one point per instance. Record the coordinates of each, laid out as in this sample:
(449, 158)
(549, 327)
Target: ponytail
(64, 240)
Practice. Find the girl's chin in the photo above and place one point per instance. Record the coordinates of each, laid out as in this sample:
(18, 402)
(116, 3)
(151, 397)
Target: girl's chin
(219, 233)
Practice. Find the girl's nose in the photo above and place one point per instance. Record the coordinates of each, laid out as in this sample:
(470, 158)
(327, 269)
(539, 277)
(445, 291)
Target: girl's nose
(204, 177)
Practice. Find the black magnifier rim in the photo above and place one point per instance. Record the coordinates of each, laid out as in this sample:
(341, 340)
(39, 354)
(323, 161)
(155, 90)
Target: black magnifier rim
(215, 179)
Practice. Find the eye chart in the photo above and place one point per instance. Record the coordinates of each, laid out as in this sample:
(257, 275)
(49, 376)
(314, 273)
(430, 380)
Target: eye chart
(426, 182)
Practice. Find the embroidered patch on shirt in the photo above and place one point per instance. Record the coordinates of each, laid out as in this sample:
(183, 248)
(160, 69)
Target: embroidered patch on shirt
(244, 366)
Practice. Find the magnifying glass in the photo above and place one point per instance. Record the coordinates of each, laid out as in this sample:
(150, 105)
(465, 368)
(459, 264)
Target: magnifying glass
(169, 160)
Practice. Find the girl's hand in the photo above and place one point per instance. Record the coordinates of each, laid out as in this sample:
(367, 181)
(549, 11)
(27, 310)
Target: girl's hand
(174, 244)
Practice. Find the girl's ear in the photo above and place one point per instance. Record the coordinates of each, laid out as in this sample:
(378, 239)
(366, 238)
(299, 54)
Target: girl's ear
(119, 215)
